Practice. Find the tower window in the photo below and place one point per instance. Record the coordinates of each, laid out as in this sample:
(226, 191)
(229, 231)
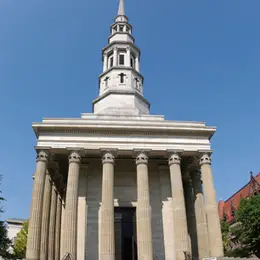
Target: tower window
(106, 82)
(122, 78)
(121, 59)
(136, 83)
(111, 62)
(127, 29)
(121, 28)
(132, 62)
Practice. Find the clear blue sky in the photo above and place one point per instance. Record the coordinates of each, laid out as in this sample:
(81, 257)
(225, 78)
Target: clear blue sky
(200, 59)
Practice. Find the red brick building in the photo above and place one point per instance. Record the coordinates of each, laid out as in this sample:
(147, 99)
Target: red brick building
(227, 208)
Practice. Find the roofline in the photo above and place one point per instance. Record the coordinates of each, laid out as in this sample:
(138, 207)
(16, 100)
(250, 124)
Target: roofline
(16, 221)
(242, 188)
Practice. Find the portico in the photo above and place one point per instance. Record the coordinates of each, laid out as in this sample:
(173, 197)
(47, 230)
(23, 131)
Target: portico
(61, 172)
(120, 157)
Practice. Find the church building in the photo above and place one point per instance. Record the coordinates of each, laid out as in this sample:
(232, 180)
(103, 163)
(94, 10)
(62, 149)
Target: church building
(120, 183)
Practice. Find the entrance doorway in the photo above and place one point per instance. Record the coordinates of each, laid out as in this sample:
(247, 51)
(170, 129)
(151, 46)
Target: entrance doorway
(125, 233)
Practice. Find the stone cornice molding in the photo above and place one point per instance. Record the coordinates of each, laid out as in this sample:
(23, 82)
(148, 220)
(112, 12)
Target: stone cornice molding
(121, 43)
(123, 127)
(120, 69)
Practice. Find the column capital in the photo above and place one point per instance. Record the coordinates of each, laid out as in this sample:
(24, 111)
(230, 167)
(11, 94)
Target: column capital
(142, 158)
(108, 155)
(205, 158)
(174, 156)
(43, 156)
(75, 156)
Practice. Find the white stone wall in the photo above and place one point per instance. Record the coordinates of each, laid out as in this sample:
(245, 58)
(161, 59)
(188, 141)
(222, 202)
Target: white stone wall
(125, 195)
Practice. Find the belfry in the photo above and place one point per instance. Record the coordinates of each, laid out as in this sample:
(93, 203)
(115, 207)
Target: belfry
(119, 183)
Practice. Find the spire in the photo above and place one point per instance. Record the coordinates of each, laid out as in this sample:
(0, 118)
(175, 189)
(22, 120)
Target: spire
(121, 9)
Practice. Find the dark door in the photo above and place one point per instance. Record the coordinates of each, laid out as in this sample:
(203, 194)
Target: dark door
(125, 234)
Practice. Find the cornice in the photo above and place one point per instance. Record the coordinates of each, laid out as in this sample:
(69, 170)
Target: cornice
(122, 42)
(119, 22)
(120, 68)
(128, 34)
(122, 130)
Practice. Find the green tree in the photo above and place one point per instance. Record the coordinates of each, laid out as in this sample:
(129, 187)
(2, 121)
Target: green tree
(21, 241)
(225, 229)
(248, 215)
(5, 242)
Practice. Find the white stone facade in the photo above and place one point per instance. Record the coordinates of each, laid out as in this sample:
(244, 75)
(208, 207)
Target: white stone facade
(120, 157)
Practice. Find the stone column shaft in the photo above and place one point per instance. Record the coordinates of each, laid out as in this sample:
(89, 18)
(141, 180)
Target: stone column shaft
(58, 228)
(34, 230)
(51, 244)
(71, 207)
(107, 232)
(213, 221)
(62, 227)
(201, 221)
(179, 210)
(45, 218)
(143, 211)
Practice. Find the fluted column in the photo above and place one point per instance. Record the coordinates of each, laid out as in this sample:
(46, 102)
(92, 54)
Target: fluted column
(34, 230)
(58, 228)
(62, 227)
(191, 219)
(143, 210)
(71, 206)
(107, 232)
(51, 243)
(179, 210)
(45, 218)
(201, 221)
(211, 208)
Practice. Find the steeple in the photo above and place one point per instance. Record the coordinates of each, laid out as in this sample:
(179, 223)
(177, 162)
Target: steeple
(121, 9)
(121, 83)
